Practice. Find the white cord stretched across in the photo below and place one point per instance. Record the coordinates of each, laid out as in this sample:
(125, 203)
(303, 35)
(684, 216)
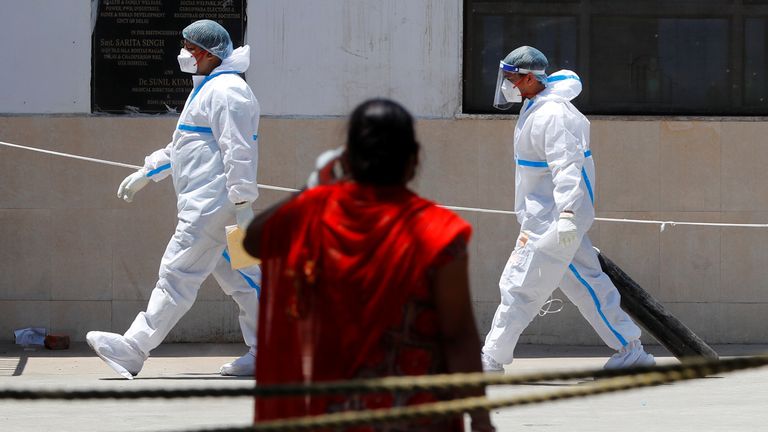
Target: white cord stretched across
(101, 161)
(662, 224)
(119, 164)
(479, 210)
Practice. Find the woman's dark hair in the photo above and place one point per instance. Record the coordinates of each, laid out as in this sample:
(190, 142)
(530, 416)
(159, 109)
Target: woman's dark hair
(380, 143)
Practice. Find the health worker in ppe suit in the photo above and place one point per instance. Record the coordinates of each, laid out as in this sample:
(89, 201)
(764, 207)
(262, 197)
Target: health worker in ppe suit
(212, 160)
(554, 198)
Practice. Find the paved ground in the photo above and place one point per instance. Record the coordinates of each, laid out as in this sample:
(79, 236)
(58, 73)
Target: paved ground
(732, 402)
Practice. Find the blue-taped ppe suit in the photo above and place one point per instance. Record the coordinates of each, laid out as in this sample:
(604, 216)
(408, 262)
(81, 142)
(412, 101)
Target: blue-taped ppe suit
(555, 173)
(213, 160)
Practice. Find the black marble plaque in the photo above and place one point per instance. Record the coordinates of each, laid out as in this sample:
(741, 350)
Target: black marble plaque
(135, 44)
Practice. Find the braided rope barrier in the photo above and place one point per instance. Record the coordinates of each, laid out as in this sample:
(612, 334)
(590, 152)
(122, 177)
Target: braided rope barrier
(609, 381)
(461, 381)
(639, 379)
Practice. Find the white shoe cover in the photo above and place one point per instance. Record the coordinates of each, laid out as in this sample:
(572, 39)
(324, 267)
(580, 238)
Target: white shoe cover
(490, 365)
(243, 366)
(632, 355)
(116, 352)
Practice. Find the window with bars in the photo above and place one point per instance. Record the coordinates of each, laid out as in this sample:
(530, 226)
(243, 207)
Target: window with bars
(670, 57)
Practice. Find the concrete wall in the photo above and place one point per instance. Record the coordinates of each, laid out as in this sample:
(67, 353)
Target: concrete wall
(73, 257)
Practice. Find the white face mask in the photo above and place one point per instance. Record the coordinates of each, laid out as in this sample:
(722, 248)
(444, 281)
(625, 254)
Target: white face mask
(187, 62)
(511, 92)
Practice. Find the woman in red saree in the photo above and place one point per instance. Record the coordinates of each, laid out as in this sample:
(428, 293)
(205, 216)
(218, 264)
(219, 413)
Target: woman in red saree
(363, 278)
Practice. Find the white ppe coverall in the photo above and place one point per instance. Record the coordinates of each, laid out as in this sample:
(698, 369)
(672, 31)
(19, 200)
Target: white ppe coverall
(212, 159)
(554, 173)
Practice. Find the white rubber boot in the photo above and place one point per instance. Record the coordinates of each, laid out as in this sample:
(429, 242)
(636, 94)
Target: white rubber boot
(243, 366)
(630, 355)
(117, 352)
(490, 365)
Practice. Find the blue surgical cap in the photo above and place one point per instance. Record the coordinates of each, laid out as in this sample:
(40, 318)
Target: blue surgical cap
(530, 58)
(210, 36)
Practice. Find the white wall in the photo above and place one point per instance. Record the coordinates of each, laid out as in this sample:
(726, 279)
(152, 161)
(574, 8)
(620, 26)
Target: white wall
(310, 57)
(322, 57)
(46, 56)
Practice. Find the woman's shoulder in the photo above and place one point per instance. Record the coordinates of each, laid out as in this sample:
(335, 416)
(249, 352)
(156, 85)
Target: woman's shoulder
(436, 222)
(320, 192)
(305, 203)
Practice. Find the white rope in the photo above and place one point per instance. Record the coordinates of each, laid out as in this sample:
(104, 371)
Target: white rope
(101, 161)
(119, 164)
(277, 188)
(662, 224)
(479, 210)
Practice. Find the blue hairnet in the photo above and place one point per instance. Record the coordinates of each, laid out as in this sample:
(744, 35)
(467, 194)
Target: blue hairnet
(527, 57)
(210, 36)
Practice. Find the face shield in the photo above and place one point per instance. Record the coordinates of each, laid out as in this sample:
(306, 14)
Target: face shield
(507, 92)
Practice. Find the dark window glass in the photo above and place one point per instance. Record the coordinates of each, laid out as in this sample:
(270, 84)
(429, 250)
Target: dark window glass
(666, 65)
(756, 64)
(554, 35)
(672, 57)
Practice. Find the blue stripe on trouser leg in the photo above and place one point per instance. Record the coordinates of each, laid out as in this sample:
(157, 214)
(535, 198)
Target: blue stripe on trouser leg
(589, 185)
(250, 281)
(529, 277)
(597, 304)
(235, 284)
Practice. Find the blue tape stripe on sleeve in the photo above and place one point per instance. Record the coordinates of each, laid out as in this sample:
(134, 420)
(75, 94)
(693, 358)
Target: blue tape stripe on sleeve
(537, 164)
(159, 169)
(193, 128)
(597, 304)
(543, 164)
(562, 77)
(589, 185)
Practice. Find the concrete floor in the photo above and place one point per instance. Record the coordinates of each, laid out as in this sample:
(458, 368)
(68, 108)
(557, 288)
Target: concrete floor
(731, 402)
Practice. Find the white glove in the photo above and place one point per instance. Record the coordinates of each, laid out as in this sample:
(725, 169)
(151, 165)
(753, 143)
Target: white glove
(243, 214)
(132, 184)
(566, 229)
(327, 168)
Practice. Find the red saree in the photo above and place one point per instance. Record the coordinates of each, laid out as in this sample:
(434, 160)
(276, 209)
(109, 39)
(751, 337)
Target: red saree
(344, 265)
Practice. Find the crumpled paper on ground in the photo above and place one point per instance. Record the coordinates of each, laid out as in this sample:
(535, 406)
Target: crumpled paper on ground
(30, 336)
